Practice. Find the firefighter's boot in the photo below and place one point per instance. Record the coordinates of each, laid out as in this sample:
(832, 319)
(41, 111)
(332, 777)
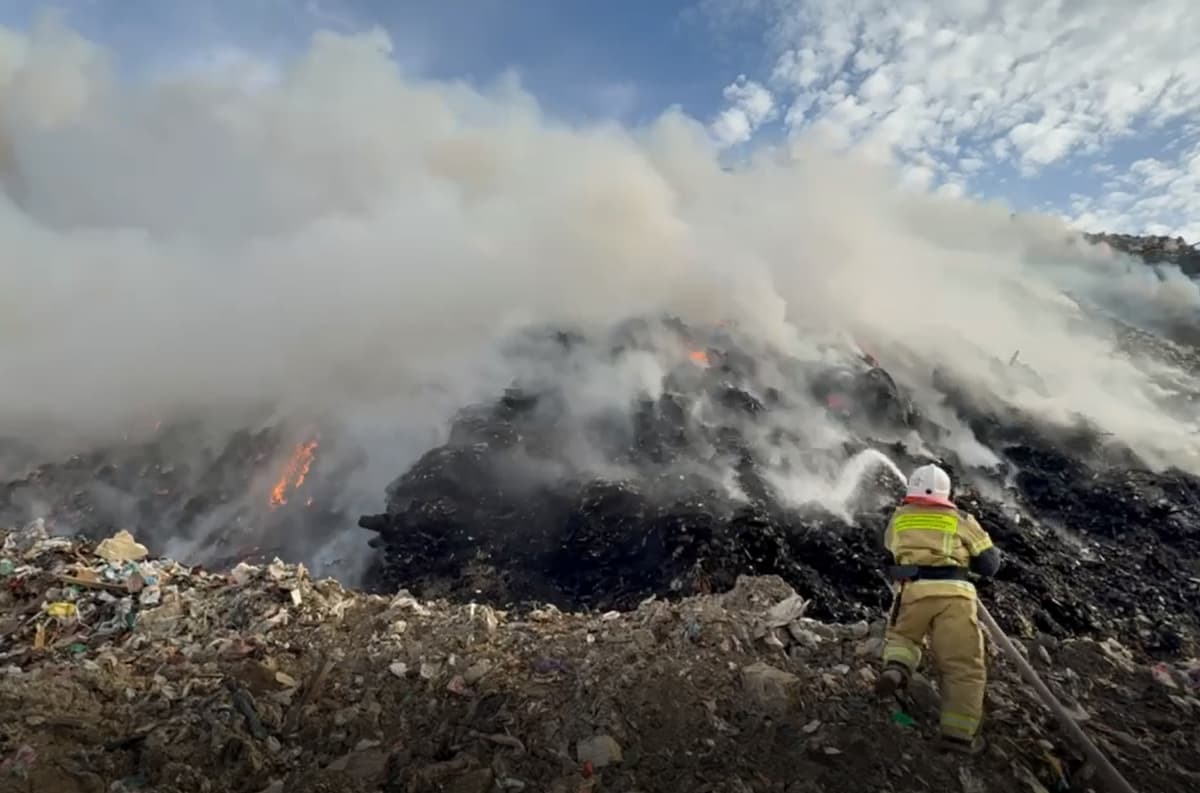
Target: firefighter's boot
(968, 746)
(893, 678)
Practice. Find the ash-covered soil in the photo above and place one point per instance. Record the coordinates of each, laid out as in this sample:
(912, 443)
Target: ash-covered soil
(121, 672)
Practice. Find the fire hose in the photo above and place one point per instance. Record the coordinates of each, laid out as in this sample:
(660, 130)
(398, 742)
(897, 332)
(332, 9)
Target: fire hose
(1111, 776)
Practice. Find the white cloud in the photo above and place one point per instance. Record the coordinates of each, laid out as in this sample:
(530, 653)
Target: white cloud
(1044, 142)
(970, 164)
(1030, 84)
(1149, 190)
(951, 189)
(918, 177)
(751, 105)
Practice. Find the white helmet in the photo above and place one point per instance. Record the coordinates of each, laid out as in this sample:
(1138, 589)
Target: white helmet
(929, 481)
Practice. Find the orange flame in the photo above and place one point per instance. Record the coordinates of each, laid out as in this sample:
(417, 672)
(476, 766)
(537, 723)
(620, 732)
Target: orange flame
(294, 474)
(699, 356)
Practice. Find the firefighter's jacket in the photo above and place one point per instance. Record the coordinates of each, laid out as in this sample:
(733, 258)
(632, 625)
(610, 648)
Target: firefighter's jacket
(928, 533)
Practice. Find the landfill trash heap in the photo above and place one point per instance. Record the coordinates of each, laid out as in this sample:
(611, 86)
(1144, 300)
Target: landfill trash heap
(120, 671)
(477, 517)
(1155, 250)
(225, 496)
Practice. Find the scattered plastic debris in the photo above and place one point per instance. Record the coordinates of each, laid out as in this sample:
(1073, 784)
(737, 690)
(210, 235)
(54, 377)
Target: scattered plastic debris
(121, 547)
(325, 687)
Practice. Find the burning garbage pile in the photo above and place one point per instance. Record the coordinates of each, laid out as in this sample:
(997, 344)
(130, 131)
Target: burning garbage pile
(507, 512)
(748, 462)
(121, 671)
(252, 494)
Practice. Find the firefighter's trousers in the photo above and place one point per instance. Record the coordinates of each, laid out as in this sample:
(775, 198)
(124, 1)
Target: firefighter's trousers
(952, 624)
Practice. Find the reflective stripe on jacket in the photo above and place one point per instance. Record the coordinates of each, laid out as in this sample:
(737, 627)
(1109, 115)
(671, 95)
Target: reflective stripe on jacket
(935, 535)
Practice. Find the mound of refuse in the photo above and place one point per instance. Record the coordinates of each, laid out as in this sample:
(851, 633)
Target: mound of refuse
(712, 478)
(1155, 250)
(120, 671)
(219, 498)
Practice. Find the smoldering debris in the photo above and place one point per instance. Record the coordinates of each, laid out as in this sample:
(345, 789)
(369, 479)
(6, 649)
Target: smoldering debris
(506, 511)
(696, 497)
(251, 494)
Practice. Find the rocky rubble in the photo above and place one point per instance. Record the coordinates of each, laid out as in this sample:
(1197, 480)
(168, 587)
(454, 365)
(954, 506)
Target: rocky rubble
(124, 672)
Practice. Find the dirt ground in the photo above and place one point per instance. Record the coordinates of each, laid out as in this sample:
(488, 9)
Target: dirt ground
(146, 675)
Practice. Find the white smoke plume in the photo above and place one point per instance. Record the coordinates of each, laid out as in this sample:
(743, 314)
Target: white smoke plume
(347, 239)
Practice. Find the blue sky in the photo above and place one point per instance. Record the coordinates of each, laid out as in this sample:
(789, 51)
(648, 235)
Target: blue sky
(581, 59)
(1089, 110)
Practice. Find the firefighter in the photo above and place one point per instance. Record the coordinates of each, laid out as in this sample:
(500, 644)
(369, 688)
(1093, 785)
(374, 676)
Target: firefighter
(934, 545)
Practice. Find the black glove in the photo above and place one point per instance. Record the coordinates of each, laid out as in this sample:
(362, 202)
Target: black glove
(987, 563)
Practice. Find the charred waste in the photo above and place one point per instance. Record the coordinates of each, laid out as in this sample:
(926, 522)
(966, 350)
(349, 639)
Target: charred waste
(479, 518)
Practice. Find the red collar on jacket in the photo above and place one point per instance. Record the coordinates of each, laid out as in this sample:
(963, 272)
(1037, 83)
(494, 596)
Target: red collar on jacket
(930, 501)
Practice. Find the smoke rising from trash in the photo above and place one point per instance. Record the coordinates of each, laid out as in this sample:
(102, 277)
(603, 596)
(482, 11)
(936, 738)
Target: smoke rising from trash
(350, 242)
